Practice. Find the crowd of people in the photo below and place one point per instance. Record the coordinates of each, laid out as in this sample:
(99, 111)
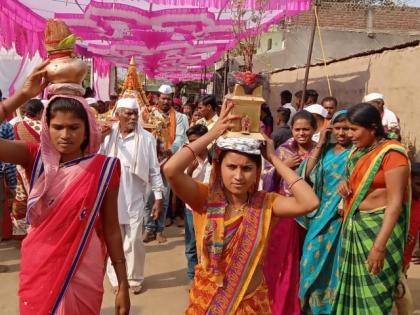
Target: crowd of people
(320, 218)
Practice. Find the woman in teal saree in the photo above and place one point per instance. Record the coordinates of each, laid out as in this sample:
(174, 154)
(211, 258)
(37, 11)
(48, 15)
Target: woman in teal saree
(324, 168)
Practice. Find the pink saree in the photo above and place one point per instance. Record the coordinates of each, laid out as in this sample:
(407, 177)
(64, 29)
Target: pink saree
(63, 257)
(281, 264)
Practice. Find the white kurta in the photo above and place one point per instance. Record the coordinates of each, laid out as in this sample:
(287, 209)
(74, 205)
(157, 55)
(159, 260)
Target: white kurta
(132, 195)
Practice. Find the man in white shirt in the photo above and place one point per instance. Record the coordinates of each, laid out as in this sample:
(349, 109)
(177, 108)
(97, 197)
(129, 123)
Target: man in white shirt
(200, 171)
(136, 150)
(390, 121)
(207, 107)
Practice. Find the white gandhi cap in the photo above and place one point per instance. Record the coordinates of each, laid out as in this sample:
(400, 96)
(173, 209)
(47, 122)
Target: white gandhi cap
(373, 97)
(317, 109)
(165, 89)
(130, 103)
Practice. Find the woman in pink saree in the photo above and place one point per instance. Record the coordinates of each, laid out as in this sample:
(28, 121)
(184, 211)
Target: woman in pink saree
(72, 209)
(281, 266)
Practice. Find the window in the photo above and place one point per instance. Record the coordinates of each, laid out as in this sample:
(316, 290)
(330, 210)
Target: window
(269, 44)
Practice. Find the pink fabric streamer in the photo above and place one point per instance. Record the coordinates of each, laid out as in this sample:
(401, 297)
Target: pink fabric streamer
(166, 42)
(221, 4)
(21, 27)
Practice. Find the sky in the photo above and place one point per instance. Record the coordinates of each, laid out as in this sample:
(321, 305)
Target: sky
(414, 3)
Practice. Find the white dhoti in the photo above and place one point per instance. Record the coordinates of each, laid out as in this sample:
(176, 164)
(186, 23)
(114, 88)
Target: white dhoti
(134, 252)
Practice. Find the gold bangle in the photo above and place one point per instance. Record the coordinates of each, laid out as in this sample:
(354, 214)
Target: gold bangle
(294, 182)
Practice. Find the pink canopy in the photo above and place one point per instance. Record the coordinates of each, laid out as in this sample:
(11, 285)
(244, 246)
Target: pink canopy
(169, 38)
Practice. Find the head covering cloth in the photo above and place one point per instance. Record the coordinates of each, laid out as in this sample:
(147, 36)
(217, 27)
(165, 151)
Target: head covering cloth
(337, 114)
(51, 157)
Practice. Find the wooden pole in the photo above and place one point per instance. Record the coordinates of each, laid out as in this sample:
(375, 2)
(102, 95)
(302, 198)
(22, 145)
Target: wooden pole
(204, 81)
(225, 80)
(308, 60)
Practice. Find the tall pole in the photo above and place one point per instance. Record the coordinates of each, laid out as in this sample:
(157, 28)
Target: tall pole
(225, 80)
(308, 60)
(204, 81)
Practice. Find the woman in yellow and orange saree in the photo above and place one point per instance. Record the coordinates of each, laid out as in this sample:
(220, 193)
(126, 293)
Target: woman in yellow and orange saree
(376, 216)
(232, 219)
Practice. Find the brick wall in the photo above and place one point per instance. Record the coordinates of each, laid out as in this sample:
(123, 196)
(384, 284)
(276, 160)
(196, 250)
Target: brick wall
(342, 16)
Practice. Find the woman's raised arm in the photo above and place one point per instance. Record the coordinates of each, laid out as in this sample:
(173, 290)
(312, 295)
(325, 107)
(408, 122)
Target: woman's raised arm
(304, 199)
(16, 152)
(182, 184)
(33, 85)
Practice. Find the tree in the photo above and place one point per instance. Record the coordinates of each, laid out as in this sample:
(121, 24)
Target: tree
(247, 27)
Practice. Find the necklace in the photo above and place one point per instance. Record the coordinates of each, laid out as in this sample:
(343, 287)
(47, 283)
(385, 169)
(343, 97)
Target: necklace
(238, 209)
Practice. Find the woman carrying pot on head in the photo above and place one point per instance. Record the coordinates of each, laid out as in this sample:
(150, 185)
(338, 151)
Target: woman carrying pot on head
(376, 216)
(281, 266)
(325, 168)
(72, 208)
(232, 219)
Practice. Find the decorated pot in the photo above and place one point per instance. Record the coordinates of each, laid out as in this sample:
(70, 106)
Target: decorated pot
(66, 69)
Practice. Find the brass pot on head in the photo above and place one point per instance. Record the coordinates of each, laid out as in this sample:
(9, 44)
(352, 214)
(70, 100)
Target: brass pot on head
(66, 69)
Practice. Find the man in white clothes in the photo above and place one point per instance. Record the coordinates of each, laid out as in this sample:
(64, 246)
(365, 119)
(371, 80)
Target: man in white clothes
(320, 114)
(286, 102)
(136, 150)
(390, 121)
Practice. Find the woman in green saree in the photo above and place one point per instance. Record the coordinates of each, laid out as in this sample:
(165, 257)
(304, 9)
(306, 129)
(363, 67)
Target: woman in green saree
(376, 215)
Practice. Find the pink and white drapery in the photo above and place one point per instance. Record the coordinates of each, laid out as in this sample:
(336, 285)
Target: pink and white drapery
(249, 4)
(21, 28)
(169, 38)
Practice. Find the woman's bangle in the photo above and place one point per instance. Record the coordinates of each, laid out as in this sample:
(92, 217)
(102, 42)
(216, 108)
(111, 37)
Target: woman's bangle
(118, 261)
(191, 150)
(294, 182)
(312, 157)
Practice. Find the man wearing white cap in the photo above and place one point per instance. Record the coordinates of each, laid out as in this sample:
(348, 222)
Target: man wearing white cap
(320, 114)
(136, 150)
(390, 121)
(176, 125)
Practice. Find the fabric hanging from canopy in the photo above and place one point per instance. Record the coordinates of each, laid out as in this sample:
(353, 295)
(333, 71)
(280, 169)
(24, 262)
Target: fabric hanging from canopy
(169, 38)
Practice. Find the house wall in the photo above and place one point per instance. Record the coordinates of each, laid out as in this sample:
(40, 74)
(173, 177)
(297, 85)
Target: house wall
(395, 73)
(345, 17)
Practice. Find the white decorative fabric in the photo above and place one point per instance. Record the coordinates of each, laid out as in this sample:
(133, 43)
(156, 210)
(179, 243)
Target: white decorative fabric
(244, 145)
(373, 97)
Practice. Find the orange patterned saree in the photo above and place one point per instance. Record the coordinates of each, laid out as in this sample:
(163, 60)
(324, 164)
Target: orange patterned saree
(223, 276)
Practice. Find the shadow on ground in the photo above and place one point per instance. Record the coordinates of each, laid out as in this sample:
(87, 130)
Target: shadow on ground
(166, 280)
